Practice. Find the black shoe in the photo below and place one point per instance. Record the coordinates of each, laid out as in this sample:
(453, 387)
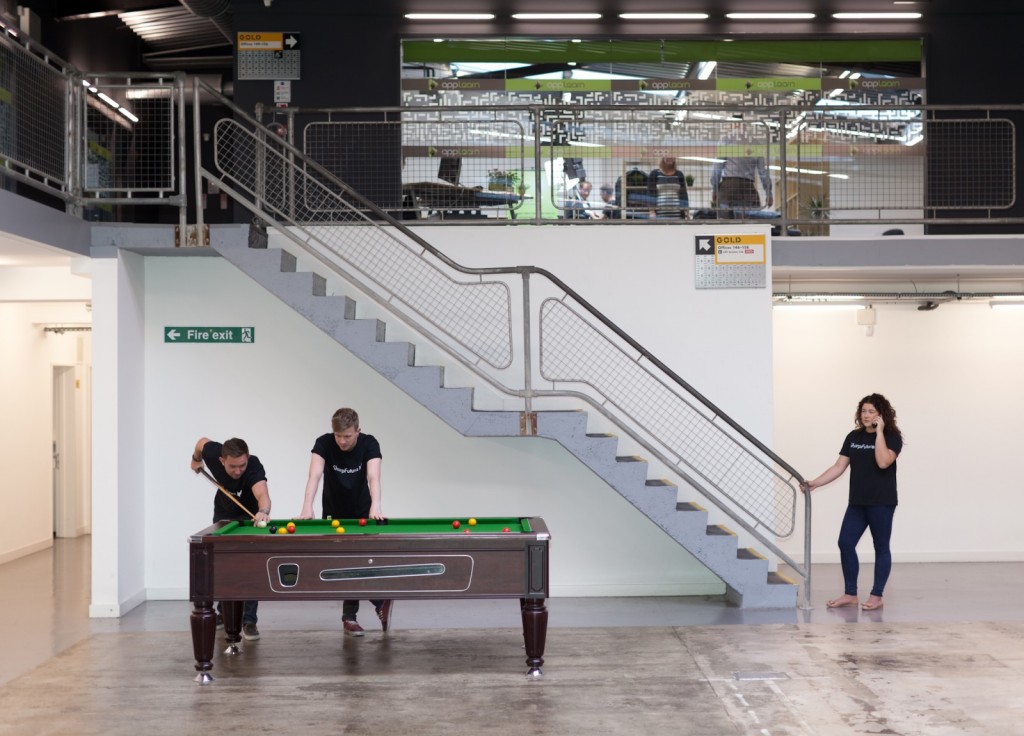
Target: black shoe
(384, 614)
(250, 632)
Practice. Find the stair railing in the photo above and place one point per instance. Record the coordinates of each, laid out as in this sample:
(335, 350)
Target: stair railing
(469, 314)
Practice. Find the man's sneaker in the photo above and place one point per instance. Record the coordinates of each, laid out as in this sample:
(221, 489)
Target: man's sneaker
(384, 614)
(250, 632)
(352, 627)
(220, 621)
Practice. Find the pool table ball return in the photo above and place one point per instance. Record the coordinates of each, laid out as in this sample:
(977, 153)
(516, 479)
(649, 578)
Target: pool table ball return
(235, 561)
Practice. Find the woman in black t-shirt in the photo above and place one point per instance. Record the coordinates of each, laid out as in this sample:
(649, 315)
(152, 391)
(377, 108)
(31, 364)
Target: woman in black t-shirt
(870, 451)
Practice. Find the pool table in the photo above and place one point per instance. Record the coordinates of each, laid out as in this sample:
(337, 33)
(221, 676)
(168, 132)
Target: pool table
(234, 561)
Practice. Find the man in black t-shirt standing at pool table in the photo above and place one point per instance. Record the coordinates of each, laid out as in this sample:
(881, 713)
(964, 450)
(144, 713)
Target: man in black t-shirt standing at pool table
(349, 463)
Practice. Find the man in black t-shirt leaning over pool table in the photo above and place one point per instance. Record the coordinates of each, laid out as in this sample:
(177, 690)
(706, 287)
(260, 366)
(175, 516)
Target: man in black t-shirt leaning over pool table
(243, 475)
(349, 463)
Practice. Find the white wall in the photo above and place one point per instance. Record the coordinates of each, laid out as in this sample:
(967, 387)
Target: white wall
(954, 377)
(279, 393)
(27, 357)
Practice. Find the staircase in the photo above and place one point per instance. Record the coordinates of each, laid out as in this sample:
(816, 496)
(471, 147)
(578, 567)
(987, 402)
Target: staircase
(745, 572)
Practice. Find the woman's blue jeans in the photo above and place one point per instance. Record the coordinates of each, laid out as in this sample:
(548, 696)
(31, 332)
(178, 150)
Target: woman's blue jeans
(858, 519)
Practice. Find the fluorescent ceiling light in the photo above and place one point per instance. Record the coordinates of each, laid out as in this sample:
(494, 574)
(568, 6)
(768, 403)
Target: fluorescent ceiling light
(770, 16)
(821, 298)
(556, 16)
(109, 100)
(663, 16)
(128, 115)
(707, 68)
(449, 16)
(819, 306)
(876, 16)
(1008, 305)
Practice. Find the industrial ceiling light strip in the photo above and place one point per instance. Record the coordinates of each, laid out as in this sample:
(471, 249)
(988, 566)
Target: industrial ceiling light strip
(770, 16)
(556, 16)
(449, 16)
(663, 16)
(876, 16)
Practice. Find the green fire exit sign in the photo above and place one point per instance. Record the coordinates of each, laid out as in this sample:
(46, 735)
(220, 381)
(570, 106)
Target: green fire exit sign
(209, 334)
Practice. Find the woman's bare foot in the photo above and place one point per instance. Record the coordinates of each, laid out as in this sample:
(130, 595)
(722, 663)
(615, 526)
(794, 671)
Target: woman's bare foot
(843, 600)
(873, 603)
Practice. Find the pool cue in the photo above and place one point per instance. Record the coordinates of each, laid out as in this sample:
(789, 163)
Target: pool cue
(226, 492)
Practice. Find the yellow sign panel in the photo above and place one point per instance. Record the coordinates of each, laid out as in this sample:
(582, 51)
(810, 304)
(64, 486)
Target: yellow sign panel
(254, 41)
(740, 249)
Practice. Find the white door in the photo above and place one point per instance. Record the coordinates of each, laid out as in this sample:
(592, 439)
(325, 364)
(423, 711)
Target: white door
(66, 456)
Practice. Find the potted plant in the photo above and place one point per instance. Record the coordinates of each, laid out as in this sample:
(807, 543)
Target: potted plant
(817, 208)
(499, 180)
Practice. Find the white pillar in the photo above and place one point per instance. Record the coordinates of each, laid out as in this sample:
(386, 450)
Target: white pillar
(118, 580)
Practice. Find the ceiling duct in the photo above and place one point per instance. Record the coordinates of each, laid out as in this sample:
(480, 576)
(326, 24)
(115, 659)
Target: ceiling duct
(217, 82)
(219, 13)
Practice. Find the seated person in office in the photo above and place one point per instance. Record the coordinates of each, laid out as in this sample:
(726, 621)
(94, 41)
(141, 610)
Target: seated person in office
(667, 187)
(733, 184)
(609, 208)
(578, 205)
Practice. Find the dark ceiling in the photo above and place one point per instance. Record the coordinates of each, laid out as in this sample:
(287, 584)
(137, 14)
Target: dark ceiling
(194, 35)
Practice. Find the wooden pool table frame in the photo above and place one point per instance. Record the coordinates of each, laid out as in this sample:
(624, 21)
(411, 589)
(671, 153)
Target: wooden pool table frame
(233, 568)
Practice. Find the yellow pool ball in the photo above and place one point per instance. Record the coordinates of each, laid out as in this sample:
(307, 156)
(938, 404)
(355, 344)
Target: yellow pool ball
(339, 529)
(335, 523)
(472, 522)
(282, 530)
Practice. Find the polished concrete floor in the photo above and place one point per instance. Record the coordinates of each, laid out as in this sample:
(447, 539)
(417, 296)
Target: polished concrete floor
(945, 656)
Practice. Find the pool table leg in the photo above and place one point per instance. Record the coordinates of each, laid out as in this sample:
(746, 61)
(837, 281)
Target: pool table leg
(535, 631)
(204, 631)
(232, 613)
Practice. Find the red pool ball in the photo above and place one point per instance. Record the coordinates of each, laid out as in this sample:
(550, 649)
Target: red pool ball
(466, 531)
(506, 529)
(362, 522)
(456, 524)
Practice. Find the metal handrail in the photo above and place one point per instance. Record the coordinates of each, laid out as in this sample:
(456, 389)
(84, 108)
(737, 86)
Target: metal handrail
(367, 213)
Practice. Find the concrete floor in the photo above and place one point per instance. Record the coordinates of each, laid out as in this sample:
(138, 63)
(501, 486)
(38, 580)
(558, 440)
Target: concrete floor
(945, 656)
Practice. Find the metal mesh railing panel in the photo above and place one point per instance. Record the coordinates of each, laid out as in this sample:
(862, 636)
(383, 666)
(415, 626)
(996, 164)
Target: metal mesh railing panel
(573, 351)
(971, 164)
(33, 115)
(476, 315)
(133, 158)
(446, 168)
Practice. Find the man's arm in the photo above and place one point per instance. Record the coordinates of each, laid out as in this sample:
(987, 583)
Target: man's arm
(316, 472)
(197, 454)
(716, 179)
(262, 493)
(766, 181)
(373, 481)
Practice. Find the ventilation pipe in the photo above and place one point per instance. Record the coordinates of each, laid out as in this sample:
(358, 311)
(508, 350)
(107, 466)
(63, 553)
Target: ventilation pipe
(219, 13)
(220, 85)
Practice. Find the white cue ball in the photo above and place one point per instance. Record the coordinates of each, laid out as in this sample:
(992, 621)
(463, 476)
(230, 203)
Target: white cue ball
(261, 524)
